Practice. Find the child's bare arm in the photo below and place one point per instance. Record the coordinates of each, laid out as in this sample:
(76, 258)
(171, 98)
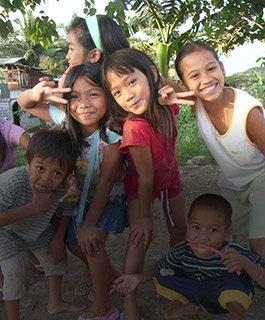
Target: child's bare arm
(88, 235)
(256, 128)
(57, 247)
(144, 226)
(41, 202)
(129, 282)
(235, 261)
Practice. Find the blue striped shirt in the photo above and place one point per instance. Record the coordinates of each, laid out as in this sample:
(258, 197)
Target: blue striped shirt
(181, 257)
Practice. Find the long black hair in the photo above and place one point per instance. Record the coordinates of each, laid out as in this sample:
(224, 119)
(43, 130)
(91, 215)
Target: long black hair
(125, 61)
(92, 73)
(112, 36)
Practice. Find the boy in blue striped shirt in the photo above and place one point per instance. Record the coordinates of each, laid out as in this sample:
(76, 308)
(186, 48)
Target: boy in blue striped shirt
(208, 272)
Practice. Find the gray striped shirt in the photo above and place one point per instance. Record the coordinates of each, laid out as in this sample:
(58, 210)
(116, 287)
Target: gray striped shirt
(15, 191)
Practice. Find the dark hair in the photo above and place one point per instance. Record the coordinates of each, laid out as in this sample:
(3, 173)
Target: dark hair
(92, 74)
(2, 149)
(111, 35)
(213, 202)
(55, 144)
(190, 48)
(125, 61)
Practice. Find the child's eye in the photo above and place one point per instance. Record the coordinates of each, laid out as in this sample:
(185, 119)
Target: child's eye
(132, 81)
(194, 76)
(73, 97)
(57, 173)
(39, 168)
(116, 94)
(93, 94)
(212, 68)
(195, 227)
(213, 230)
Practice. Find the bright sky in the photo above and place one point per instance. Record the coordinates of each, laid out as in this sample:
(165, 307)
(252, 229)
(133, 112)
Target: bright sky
(241, 59)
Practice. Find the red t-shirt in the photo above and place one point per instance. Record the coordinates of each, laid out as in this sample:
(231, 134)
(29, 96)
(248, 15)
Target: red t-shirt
(138, 132)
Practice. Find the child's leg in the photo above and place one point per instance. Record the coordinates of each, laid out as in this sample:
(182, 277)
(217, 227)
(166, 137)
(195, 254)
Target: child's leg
(13, 285)
(133, 263)
(55, 273)
(177, 213)
(56, 304)
(99, 266)
(236, 310)
(183, 310)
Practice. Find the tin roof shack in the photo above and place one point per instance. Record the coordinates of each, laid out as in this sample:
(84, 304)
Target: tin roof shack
(17, 75)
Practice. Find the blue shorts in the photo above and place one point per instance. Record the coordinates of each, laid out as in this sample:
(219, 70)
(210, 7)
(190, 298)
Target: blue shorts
(113, 219)
(211, 295)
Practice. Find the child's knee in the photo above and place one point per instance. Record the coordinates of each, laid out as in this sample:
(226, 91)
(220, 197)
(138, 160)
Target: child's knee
(47, 261)
(13, 278)
(235, 308)
(235, 300)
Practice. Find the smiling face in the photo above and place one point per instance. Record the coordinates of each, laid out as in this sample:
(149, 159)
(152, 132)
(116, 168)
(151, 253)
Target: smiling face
(203, 74)
(76, 52)
(131, 91)
(88, 105)
(209, 227)
(46, 174)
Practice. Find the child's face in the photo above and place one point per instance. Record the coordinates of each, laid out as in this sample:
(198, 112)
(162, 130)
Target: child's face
(88, 104)
(207, 227)
(203, 74)
(46, 174)
(131, 91)
(76, 53)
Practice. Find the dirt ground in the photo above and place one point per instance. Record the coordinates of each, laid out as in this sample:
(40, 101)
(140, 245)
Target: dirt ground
(198, 180)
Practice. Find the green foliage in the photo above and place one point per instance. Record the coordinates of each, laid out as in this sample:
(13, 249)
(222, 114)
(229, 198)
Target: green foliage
(190, 142)
(252, 81)
(20, 157)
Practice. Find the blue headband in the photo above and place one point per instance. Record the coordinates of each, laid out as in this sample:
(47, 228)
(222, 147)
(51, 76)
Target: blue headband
(92, 25)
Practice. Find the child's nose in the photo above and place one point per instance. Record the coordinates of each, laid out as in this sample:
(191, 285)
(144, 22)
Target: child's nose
(128, 94)
(46, 177)
(206, 77)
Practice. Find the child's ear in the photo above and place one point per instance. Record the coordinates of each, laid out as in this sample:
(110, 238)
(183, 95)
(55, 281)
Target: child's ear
(154, 70)
(94, 55)
(229, 232)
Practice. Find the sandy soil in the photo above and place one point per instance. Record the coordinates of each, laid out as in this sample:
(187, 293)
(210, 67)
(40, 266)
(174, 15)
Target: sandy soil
(197, 179)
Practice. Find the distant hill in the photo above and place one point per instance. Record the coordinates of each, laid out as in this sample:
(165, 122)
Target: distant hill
(250, 81)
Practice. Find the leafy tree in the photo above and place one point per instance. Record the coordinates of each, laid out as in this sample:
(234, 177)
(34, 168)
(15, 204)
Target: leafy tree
(30, 41)
(44, 29)
(224, 23)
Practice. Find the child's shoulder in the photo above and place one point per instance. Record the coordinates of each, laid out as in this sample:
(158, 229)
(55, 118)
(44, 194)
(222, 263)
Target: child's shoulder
(244, 98)
(15, 176)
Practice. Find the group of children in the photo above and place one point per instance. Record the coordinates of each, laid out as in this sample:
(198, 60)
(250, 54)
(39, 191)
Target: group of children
(116, 130)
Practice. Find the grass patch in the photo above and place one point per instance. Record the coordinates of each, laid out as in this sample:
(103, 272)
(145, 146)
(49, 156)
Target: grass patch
(190, 142)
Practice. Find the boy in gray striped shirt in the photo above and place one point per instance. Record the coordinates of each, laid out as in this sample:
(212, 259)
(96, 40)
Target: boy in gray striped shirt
(29, 197)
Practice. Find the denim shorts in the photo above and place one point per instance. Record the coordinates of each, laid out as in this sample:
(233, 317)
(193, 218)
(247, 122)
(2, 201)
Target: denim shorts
(112, 219)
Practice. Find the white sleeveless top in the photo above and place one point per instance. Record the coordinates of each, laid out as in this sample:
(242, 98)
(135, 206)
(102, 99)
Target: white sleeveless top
(240, 161)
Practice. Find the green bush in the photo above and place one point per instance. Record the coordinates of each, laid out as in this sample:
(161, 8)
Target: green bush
(190, 142)
(20, 157)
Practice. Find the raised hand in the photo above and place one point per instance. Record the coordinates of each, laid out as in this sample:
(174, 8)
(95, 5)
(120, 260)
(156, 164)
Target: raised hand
(167, 96)
(72, 195)
(45, 90)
